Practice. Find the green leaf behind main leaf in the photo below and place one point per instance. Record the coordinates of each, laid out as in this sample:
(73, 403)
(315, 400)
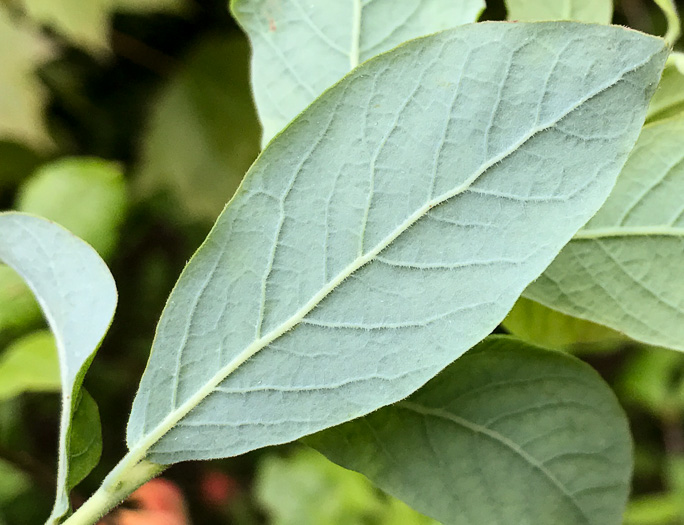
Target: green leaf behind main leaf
(302, 48)
(78, 297)
(623, 269)
(388, 229)
(509, 433)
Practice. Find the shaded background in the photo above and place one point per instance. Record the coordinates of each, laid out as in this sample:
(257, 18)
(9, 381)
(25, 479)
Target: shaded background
(138, 139)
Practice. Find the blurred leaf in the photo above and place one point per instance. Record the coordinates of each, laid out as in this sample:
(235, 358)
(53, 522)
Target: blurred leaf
(78, 297)
(29, 364)
(22, 50)
(657, 509)
(301, 48)
(540, 325)
(87, 23)
(668, 100)
(19, 309)
(508, 423)
(592, 11)
(85, 445)
(203, 133)
(87, 196)
(653, 379)
(673, 23)
(13, 482)
(623, 268)
(307, 489)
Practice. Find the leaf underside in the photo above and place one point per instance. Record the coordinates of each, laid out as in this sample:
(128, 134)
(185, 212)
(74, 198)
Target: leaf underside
(507, 426)
(388, 229)
(78, 296)
(623, 269)
(302, 48)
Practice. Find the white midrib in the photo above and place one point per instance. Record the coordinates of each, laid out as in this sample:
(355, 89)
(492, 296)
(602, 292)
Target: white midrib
(630, 231)
(140, 449)
(355, 47)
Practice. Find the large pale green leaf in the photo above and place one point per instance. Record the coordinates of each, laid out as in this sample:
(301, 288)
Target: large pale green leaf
(509, 433)
(623, 268)
(300, 48)
(22, 50)
(388, 229)
(307, 489)
(87, 23)
(593, 11)
(78, 297)
(203, 133)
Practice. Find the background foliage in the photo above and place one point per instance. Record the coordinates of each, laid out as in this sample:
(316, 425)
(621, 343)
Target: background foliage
(131, 123)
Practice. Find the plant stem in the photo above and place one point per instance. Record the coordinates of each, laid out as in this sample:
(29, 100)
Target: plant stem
(128, 475)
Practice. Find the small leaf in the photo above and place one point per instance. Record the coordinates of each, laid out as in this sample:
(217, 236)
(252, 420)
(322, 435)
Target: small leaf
(85, 445)
(29, 365)
(622, 269)
(388, 229)
(509, 433)
(301, 48)
(538, 324)
(19, 310)
(592, 11)
(87, 196)
(78, 297)
(23, 49)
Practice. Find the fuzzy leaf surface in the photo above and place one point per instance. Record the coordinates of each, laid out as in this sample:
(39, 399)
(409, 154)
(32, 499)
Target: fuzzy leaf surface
(301, 48)
(509, 433)
(623, 269)
(388, 229)
(77, 295)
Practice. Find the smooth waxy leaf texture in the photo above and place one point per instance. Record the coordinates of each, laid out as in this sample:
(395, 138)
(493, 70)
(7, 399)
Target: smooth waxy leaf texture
(509, 433)
(593, 11)
(78, 297)
(388, 229)
(301, 48)
(623, 268)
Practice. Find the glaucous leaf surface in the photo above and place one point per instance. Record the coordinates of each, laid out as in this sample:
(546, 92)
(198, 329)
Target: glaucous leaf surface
(22, 51)
(509, 433)
(668, 100)
(388, 229)
(305, 488)
(29, 364)
(300, 48)
(592, 11)
(203, 133)
(623, 268)
(78, 297)
(539, 324)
